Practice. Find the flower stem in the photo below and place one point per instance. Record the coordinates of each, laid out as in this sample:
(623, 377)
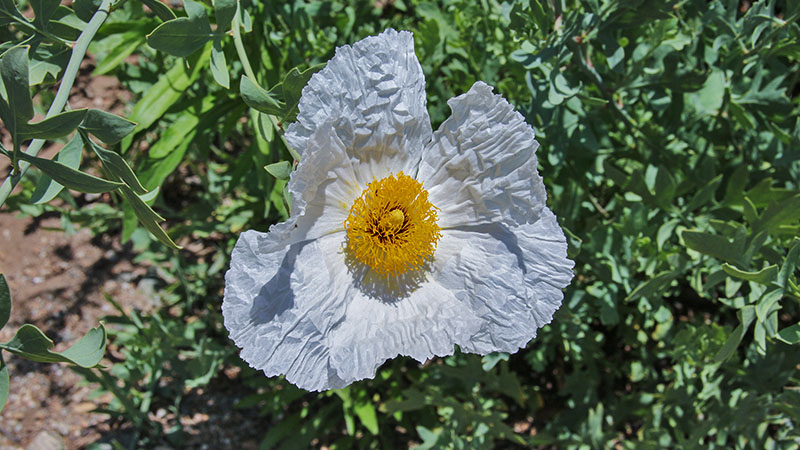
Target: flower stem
(62, 95)
(248, 70)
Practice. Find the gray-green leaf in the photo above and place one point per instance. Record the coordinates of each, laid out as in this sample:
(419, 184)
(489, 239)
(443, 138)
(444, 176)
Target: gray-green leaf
(714, 245)
(790, 334)
(116, 165)
(280, 170)
(184, 35)
(52, 127)
(162, 11)
(762, 276)
(219, 67)
(32, 344)
(257, 97)
(746, 316)
(5, 301)
(14, 70)
(148, 218)
(108, 127)
(224, 10)
(69, 177)
(4, 382)
(70, 156)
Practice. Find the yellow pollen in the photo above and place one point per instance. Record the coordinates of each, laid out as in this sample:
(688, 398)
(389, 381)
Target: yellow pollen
(394, 219)
(392, 226)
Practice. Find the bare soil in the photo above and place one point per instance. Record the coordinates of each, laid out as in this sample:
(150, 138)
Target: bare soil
(57, 283)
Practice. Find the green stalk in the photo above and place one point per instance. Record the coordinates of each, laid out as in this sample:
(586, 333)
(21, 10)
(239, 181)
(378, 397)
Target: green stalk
(78, 52)
(248, 70)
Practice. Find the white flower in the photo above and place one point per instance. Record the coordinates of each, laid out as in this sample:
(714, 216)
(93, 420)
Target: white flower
(401, 241)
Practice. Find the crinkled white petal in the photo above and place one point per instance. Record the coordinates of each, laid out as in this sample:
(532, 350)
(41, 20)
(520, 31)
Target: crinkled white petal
(509, 277)
(373, 94)
(481, 165)
(280, 306)
(423, 324)
(323, 189)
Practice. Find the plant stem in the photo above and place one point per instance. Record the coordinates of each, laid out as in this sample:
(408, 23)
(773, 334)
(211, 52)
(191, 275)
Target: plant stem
(62, 95)
(248, 70)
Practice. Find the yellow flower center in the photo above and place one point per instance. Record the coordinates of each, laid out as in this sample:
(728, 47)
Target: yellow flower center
(392, 226)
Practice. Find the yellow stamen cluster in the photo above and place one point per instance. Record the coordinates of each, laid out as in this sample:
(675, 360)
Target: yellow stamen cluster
(392, 226)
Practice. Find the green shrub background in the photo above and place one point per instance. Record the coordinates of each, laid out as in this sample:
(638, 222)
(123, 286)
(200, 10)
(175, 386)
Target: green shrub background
(670, 141)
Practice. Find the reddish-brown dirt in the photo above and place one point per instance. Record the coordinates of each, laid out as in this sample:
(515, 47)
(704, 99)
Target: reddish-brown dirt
(57, 283)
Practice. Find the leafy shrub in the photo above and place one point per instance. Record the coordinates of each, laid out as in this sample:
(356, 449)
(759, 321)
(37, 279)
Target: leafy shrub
(669, 136)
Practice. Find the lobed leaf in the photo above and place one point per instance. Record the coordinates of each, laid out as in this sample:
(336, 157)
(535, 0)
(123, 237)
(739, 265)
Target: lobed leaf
(30, 343)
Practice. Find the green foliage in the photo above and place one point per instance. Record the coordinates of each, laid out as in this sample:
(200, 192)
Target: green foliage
(669, 133)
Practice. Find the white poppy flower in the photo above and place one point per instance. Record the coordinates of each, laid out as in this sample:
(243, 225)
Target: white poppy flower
(401, 241)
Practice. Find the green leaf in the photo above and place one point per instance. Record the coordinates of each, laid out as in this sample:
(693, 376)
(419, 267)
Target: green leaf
(85, 9)
(108, 127)
(789, 263)
(4, 382)
(128, 44)
(292, 88)
(257, 97)
(709, 99)
(489, 361)
(70, 156)
(162, 11)
(280, 170)
(219, 67)
(168, 151)
(366, 414)
(714, 245)
(32, 344)
(763, 276)
(765, 304)
(69, 177)
(184, 35)
(45, 66)
(652, 285)
(116, 165)
(746, 316)
(14, 71)
(790, 334)
(282, 100)
(162, 95)
(9, 8)
(705, 194)
(43, 10)
(5, 301)
(224, 11)
(244, 18)
(52, 127)
(778, 213)
(148, 218)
